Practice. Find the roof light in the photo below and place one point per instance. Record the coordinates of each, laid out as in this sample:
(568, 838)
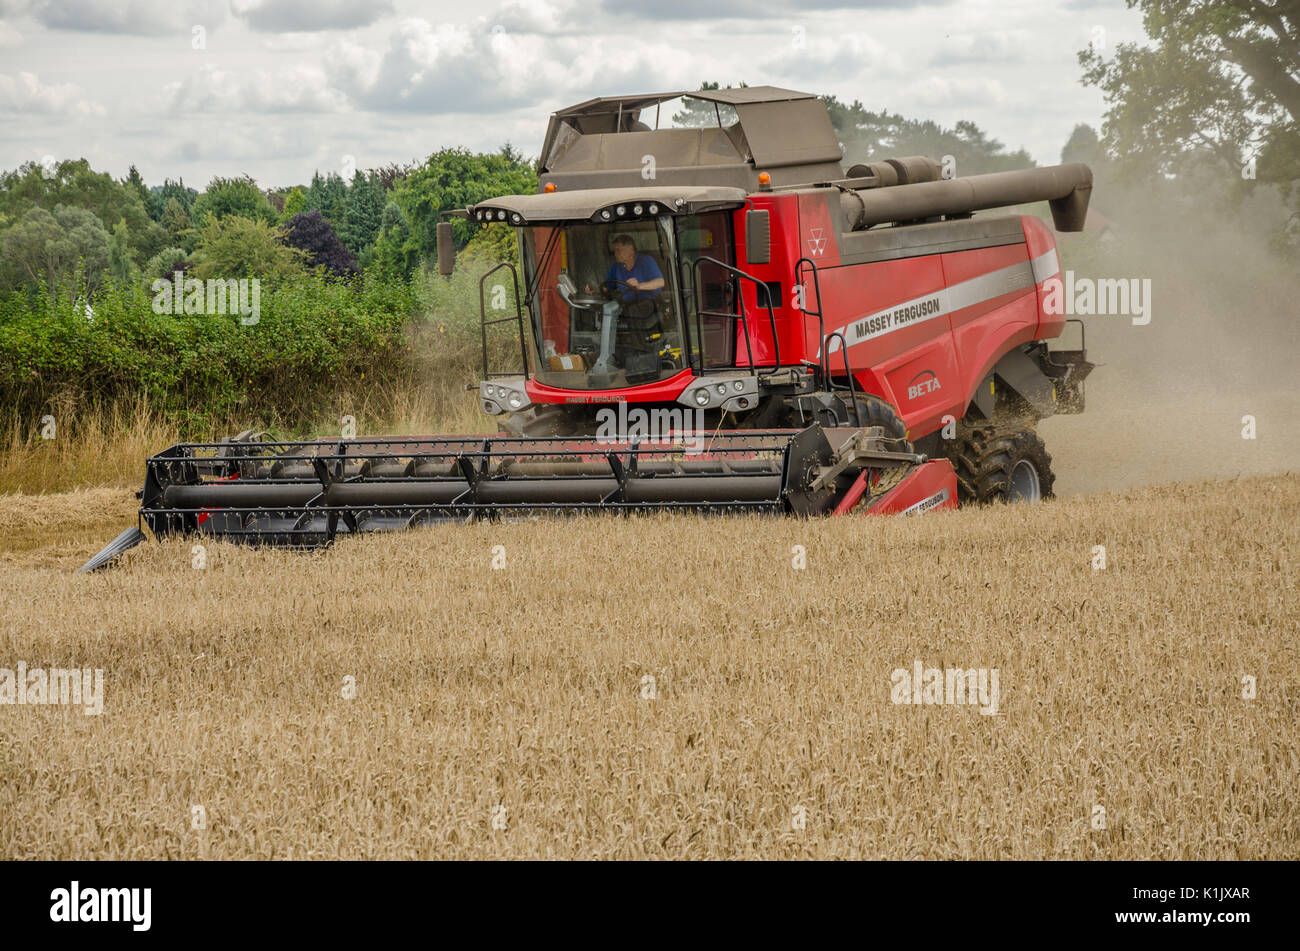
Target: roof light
(764, 180)
(516, 217)
(636, 209)
(501, 215)
(654, 209)
(548, 187)
(606, 215)
(622, 210)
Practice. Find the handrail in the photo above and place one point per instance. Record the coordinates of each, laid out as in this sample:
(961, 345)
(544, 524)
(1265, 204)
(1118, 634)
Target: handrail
(823, 361)
(853, 395)
(742, 316)
(484, 323)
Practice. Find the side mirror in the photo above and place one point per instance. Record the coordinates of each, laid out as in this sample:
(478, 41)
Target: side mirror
(446, 249)
(758, 237)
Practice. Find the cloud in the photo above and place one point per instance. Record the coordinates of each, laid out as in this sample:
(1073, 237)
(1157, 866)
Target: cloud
(1000, 48)
(937, 91)
(481, 67)
(308, 16)
(752, 9)
(808, 57)
(289, 89)
(25, 94)
(137, 17)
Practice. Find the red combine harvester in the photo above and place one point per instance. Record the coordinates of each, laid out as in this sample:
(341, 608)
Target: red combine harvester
(715, 318)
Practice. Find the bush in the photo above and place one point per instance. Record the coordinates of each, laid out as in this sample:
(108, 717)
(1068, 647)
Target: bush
(313, 336)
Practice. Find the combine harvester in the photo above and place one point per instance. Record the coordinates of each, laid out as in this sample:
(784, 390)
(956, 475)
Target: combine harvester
(788, 336)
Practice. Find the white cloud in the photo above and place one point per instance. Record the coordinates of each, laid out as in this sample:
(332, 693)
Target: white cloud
(298, 88)
(25, 94)
(302, 16)
(140, 17)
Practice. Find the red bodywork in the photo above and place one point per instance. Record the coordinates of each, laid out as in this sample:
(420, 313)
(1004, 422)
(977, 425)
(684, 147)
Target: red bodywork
(929, 367)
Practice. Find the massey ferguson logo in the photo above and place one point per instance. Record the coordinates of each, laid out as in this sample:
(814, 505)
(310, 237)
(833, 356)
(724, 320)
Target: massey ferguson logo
(923, 383)
(816, 243)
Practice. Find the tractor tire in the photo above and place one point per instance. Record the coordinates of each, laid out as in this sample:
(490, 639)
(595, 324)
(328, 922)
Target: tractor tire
(876, 412)
(1001, 464)
(549, 421)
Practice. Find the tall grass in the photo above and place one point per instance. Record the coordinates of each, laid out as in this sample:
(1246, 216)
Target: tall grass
(395, 361)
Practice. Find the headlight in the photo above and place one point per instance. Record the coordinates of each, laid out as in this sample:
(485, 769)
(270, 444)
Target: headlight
(621, 210)
(515, 401)
(516, 217)
(606, 215)
(738, 385)
(501, 215)
(636, 209)
(478, 215)
(702, 396)
(722, 389)
(654, 209)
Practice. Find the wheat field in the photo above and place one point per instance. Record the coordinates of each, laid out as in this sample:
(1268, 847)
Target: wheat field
(667, 687)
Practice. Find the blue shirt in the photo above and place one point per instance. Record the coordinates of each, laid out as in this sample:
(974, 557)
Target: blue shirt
(643, 269)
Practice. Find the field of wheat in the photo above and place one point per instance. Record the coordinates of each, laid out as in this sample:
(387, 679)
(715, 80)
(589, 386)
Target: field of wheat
(668, 687)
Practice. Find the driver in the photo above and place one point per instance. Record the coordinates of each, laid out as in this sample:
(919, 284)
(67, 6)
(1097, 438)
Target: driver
(638, 271)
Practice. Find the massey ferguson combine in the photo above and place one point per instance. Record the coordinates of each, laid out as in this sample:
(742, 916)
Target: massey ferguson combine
(717, 317)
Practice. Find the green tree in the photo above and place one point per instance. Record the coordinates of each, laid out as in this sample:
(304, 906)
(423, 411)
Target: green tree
(236, 247)
(1218, 80)
(295, 203)
(178, 225)
(872, 136)
(74, 184)
(327, 194)
(57, 249)
(148, 199)
(394, 258)
(225, 197)
(364, 214)
(456, 178)
(120, 265)
(166, 263)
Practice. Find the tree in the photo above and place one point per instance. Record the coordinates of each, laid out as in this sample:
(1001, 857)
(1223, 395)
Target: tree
(1219, 79)
(58, 249)
(148, 199)
(295, 203)
(166, 263)
(698, 112)
(365, 211)
(321, 247)
(327, 194)
(74, 184)
(394, 258)
(225, 197)
(237, 247)
(456, 178)
(1083, 146)
(178, 225)
(120, 265)
(872, 136)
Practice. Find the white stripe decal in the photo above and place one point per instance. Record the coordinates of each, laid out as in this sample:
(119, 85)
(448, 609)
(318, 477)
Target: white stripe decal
(1045, 266)
(939, 303)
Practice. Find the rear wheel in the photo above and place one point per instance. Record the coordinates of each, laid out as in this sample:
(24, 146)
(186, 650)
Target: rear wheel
(1001, 464)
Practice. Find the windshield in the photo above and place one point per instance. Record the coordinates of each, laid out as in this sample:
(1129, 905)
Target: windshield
(604, 303)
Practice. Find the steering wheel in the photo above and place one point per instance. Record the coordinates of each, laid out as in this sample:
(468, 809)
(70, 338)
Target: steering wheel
(608, 290)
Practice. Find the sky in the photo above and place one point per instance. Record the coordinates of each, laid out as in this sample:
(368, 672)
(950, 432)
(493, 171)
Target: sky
(277, 89)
